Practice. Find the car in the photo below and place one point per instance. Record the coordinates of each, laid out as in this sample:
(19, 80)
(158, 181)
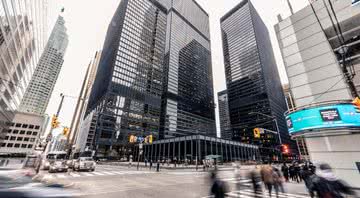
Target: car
(84, 163)
(58, 166)
(70, 163)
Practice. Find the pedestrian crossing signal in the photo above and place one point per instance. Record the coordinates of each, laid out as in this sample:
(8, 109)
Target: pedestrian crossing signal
(356, 103)
(54, 122)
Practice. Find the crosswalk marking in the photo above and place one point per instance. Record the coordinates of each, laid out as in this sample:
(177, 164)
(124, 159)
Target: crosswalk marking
(98, 173)
(248, 193)
(107, 173)
(74, 175)
(60, 175)
(88, 174)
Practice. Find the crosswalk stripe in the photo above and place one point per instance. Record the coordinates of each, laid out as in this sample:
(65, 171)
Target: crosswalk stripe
(118, 173)
(107, 173)
(266, 194)
(74, 175)
(97, 173)
(88, 174)
(60, 175)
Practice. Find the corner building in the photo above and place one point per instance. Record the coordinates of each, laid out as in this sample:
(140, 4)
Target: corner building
(252, 79)
(154, 76)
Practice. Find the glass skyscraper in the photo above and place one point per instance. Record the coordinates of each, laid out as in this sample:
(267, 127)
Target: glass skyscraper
(252, 78)
(188, 101)
(154, 75)
(43, 81)
(224, 115)
(23, 35)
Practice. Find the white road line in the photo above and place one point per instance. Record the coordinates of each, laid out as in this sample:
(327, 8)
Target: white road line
(97, 173)
(87, 174)
(74, 175)
(48, 177)
(107, 173)
(119, 173)
(61, 176)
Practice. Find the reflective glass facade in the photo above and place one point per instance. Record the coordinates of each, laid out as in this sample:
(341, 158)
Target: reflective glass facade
(188, 102)
(129, 81)
(43, 81)
(154, 75)
(253, 82)
(224, 115)
(22, 39)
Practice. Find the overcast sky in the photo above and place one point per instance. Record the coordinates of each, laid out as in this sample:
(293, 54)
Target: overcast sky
(87, 22)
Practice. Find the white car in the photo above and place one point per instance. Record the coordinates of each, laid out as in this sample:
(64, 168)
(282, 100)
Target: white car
(85, 163)
(58, 166)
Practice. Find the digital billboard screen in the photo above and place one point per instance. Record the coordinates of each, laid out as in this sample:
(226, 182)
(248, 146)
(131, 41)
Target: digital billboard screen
(332, 116)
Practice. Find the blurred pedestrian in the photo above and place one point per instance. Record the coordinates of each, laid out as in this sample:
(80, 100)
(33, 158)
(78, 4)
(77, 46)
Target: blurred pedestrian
(292, 172)
(145, 162)
(278, 181)
(218, 188)
(158, 166)
(267, 177)
(151, 163)
(285, 171)
(297, 174)
(307, 176)
(327, 185)
(237, 176)
(256, 181)
(130, 162)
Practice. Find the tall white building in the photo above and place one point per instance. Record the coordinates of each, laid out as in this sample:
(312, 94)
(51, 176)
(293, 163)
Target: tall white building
(23, 35)
(39, 91)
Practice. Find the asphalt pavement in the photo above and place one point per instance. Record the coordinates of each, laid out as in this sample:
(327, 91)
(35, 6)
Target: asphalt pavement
(109, 181)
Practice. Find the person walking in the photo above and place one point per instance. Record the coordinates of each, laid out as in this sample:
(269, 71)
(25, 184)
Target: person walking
(256, 181)
(267, 177)
(285, 171)
(297, 174)
(308, 176)
(278, 181)
(158, 166)
(145, 162)
(218, 187)
(291, 172)
(151, 163)
(327, 185)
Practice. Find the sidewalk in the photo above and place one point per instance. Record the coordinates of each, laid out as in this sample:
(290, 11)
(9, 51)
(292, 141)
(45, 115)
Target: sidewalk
(165, 166)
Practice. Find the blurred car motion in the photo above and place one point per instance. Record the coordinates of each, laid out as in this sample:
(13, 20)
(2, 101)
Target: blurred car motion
(84, 163)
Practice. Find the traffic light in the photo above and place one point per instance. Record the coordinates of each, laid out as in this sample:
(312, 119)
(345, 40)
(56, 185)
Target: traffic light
(150, 139)
(356, 103)
(66, 131)
(54, 122)
(257, 133)
(285, 148)
(132, 139)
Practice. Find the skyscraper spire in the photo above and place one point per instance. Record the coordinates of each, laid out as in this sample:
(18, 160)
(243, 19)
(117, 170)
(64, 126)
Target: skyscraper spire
(291, 9)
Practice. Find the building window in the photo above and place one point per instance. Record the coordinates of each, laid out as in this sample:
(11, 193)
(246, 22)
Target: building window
(25, 126)
(23, 146)
(30, 146)
(28, 133)
(18, 125)
(9, 131)
(32, 140)
(17, 145)
(9, 145)
(22, 132)
(6, 137)
(31, 126)
(12, 138)
(15, 131)
(19, 138)
(26, 139)
(35, 133)
(3, 144)
(37, 127)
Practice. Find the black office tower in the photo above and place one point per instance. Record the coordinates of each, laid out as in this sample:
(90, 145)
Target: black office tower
(254, 89)
(126, 95)
(154, 76)
(188, 100)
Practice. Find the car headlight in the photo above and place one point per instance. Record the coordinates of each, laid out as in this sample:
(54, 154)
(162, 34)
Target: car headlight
(82, 163)
(47, 163)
